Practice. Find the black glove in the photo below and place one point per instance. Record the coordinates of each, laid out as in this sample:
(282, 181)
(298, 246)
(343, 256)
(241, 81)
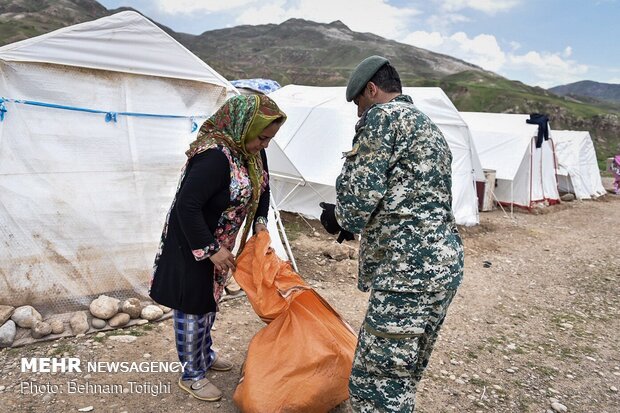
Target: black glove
(345, 236)
(328, 220)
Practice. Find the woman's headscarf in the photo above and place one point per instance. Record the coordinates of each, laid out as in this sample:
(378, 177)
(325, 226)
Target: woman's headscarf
(239, 121)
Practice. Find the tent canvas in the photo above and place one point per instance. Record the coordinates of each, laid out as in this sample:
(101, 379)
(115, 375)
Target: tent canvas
(320, 126)
(84, 195)
(577, 165)
(525, 174)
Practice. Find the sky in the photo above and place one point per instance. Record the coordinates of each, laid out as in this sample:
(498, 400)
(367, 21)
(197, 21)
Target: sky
(539, 42)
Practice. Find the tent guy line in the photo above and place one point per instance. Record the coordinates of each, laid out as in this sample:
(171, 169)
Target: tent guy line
(110, 116)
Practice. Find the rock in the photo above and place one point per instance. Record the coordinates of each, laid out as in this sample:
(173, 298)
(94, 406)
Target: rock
(559, 407)
(123, 339)
(7, 333)
(98, 323)
(151, 312)
(6, 311)
(58, 327)
(568, 197)
(336, 252)
(119, 320)
(79, 323)
(614, 389)
(567, 326)
(41, 329)
(104, 307)
(26, 316)
(86, 409)
(166, 310)
(133, 307)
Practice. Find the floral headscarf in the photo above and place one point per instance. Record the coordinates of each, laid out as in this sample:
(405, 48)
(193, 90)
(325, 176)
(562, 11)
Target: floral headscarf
(239, 121)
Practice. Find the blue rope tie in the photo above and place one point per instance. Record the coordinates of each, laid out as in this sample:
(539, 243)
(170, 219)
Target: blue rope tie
(110, 116)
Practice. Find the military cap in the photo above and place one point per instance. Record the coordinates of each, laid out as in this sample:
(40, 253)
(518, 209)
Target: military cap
(362, 74)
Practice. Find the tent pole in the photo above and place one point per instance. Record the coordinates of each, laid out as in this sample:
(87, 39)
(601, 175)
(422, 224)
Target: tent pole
(512, 198)
(280, 226)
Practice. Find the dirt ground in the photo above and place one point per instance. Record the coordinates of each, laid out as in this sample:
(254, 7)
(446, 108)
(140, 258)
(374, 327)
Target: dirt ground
(539, 321)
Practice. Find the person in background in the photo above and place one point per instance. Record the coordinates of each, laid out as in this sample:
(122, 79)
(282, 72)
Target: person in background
(224, 182)
(614, 168)
(395, 189)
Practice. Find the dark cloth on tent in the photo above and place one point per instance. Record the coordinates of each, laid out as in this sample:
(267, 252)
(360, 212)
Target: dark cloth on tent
(180, 281)
(543, 127)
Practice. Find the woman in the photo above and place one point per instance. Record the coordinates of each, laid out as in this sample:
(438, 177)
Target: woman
(224, 181)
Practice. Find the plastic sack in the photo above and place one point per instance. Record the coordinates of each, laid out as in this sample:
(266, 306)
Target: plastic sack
(300, 361)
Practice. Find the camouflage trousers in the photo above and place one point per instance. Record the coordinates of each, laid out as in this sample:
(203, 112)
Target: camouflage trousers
(394, 347)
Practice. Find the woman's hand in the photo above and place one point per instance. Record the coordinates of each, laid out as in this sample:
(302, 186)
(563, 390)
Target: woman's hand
(223, 260)
(258, 227)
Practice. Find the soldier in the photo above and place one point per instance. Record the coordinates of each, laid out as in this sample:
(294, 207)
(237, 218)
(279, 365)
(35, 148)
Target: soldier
(395, 189)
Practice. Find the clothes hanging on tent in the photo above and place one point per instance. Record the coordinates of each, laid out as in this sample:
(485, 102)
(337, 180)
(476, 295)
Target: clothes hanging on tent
(543, 127)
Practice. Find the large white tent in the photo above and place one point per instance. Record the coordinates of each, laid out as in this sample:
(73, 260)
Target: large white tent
(577, 166)
(88, 163)
(506, 143)
(320, 127)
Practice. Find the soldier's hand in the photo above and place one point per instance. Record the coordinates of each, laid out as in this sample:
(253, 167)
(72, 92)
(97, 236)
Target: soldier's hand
(328, 218)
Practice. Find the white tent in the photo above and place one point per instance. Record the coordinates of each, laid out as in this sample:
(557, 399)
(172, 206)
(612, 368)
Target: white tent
(525, 174)
(320, 127)
(88, 167)
(577, 166)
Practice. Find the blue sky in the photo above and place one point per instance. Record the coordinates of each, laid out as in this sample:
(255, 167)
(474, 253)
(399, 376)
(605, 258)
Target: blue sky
(539, 42)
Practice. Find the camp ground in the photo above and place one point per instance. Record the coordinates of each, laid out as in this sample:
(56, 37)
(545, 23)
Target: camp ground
(578, 171)
(506, 143)
(96, 118)
(320, 127)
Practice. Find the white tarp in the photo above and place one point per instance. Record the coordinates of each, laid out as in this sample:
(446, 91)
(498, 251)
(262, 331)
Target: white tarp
(82, 200)
(507, 144)
(320, 126)
(577, 165)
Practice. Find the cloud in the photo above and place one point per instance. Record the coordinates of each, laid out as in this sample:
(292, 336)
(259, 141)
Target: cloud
(539, 68)
(194, 6)
(482, 50)
(550, 69)
(360, 16)
(486, 6)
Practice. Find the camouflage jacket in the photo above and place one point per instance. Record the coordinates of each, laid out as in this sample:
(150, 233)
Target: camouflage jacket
(395, 189)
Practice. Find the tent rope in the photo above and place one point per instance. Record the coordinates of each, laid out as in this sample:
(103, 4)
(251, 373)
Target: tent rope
(110, 116)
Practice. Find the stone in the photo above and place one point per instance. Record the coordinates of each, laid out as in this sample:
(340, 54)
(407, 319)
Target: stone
(6, 311)
(41, 329)
(336, 252)
(7, 333)
(119, 320)
(26, 316)
(58, 327)
(132, 306)
(123, 339)
(559, 407)
(104, 307)
(151, 312)
(79, 323)
(165, 309)
(98, 323)
(568, 197)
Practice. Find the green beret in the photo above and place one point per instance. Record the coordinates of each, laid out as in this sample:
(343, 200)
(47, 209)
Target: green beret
(362, 74)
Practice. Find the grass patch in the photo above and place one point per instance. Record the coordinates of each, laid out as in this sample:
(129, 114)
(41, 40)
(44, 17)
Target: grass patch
(61, 349)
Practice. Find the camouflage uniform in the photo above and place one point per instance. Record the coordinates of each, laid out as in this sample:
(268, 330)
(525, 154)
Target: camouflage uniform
(395, 188)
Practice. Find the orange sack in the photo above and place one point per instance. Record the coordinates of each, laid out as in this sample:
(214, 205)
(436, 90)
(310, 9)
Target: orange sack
(300, 361)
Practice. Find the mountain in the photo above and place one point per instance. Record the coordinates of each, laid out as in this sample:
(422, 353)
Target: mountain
(306, 52)
(589, 90)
